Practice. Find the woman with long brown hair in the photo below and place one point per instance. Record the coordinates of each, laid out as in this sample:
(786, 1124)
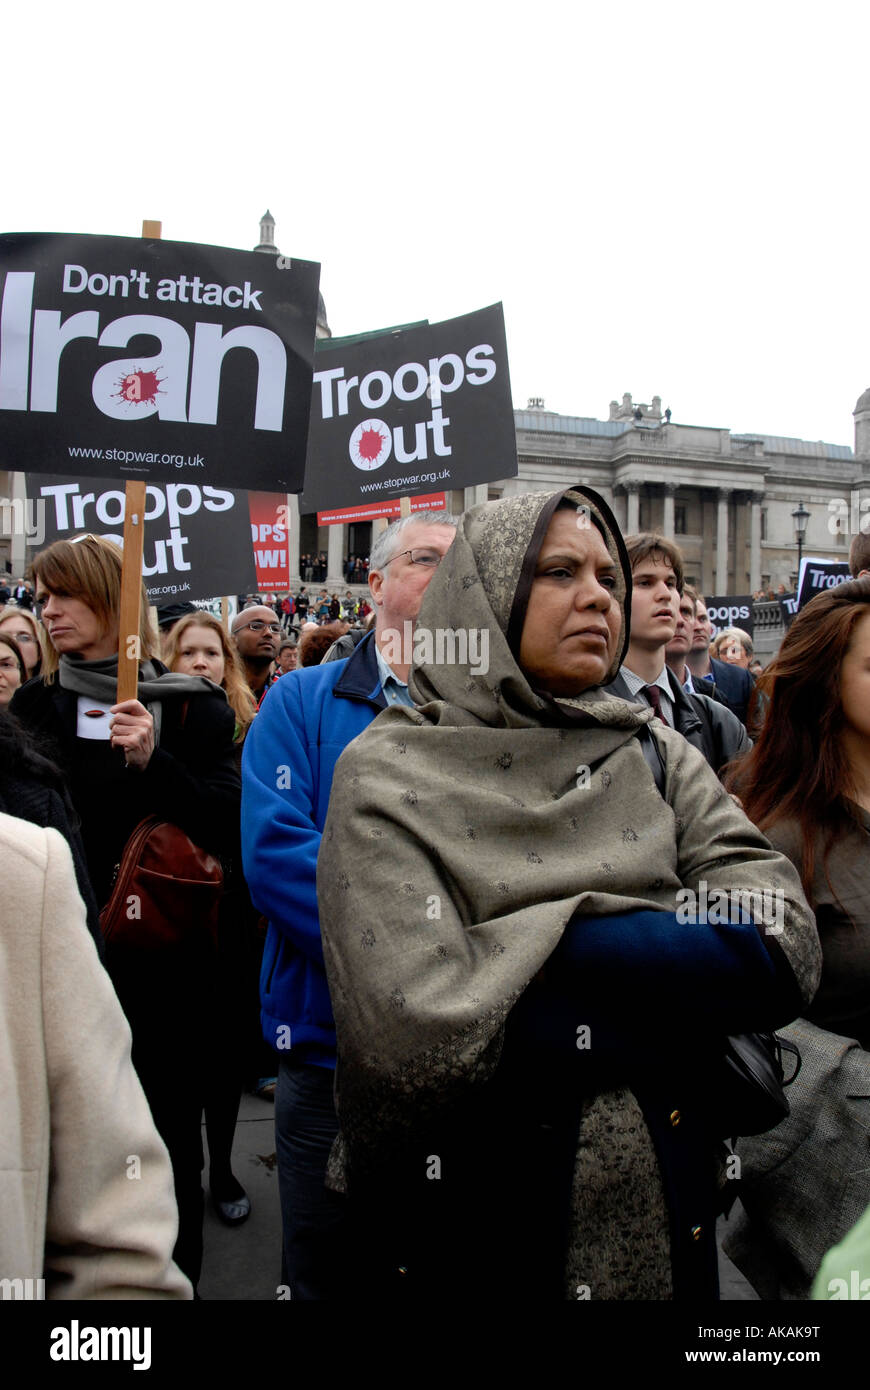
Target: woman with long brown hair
(806, 785)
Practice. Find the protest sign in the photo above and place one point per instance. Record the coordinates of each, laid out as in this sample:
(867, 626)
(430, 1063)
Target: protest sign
(728, 611)
(212, 384)
(185, 555)
(268, 512)
(818, 575)
(394, 413)
(788, 607)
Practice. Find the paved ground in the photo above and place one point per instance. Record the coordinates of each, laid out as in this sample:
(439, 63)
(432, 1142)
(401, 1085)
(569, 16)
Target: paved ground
(244, 1262)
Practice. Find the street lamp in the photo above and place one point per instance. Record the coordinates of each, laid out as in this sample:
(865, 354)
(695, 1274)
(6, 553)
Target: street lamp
(800, 519)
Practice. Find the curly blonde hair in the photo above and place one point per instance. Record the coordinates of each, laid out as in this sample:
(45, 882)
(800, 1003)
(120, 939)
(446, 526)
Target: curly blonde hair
(242, 702)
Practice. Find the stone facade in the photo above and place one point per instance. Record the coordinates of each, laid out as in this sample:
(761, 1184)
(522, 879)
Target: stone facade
(726, 499)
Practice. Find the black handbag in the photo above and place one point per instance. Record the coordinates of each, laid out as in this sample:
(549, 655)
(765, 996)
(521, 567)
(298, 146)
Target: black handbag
(747, 1095)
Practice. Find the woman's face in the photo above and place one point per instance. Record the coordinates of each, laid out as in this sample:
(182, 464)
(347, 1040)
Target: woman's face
(573, 620)
(22, 632)
(10, 674)
(855, 680)
(200, 654)
(74, 629)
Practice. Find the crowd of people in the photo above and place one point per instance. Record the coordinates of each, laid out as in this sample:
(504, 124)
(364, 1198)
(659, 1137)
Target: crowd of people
(498, 868)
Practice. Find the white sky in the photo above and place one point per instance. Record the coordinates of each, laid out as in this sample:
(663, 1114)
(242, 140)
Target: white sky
(668, 198)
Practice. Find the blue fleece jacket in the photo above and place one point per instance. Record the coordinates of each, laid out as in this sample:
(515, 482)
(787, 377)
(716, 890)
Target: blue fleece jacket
(307, 719)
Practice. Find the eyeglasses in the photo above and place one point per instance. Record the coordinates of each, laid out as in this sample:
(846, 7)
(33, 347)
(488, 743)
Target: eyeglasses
(257, 626)
(20, 636)
(430, 559)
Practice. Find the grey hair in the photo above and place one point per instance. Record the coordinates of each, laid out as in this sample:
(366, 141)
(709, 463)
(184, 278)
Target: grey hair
(385, 547)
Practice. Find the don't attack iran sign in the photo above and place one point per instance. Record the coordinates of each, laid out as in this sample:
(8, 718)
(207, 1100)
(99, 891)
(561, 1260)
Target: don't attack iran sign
(122, 357)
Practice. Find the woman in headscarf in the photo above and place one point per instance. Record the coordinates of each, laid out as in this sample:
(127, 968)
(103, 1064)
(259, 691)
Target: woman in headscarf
(530, 996)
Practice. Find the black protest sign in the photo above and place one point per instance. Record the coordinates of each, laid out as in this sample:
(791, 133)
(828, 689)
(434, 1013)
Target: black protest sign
(788, 608)
(128, 358)
(197, 537)
(729, 611)
(421, 409)
(818, 575)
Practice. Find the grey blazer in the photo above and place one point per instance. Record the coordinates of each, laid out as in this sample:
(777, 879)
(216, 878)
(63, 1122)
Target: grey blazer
(804, 1184)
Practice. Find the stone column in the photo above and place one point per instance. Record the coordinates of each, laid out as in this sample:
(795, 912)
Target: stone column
(293, 538)
(334, 557)
(632, 522)
(723, 495)
(475, 495)
(755, 500)
(668, 525)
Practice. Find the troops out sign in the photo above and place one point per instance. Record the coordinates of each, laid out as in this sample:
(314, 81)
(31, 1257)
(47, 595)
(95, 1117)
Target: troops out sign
(421, 409)
(185, 555)
(818, 575)
(127, 358)
(725, 611)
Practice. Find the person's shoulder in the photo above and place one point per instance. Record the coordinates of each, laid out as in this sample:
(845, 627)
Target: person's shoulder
(21, 840)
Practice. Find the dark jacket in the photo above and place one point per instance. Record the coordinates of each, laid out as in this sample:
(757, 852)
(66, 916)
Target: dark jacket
(709, 725)
(307, 720)
(33, 790)
(190, 779)
(733, 684)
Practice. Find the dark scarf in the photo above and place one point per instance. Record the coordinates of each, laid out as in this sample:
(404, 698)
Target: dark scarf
(98, 680)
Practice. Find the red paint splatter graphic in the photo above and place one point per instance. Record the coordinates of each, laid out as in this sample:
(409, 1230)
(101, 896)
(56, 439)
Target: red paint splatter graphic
(370, 444)
(139, 388)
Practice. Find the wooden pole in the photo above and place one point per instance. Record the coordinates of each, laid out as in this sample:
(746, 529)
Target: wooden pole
(404, 506)
(225, 613)
(129, 643)
(129, 646)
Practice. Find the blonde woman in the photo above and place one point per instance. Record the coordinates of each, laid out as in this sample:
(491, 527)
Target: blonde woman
(28, 632)
(198, 645)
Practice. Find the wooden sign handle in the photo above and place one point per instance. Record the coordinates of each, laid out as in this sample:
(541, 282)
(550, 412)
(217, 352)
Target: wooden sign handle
(129, 645)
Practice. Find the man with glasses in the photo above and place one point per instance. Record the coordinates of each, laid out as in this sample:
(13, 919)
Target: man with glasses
(306, 722)
(257, 632)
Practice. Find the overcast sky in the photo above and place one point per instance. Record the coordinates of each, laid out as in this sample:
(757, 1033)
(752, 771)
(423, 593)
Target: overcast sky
(668, 199)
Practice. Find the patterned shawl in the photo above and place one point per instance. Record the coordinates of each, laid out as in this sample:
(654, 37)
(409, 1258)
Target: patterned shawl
(463, 835)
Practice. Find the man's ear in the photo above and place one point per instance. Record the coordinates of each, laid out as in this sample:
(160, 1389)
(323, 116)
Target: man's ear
(376, 583)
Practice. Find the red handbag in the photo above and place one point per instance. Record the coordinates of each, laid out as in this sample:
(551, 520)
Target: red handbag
(167, 891)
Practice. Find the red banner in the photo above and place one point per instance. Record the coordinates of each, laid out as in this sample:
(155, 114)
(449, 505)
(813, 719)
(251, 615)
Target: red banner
(269, 534)
(367, 511)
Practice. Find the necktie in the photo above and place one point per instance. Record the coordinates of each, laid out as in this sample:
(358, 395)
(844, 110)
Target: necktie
(652, 694)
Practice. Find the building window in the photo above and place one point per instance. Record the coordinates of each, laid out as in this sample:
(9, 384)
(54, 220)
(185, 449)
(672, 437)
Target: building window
(764, 523)
(679, 520)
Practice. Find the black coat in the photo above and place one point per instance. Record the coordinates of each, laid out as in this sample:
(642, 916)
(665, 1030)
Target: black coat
(190, 780)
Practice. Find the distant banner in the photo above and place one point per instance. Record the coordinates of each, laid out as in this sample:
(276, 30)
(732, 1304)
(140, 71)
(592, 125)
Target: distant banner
(402, 410)
(213, 384)
(269, 532)
(788, 607)
(727, 611)
(428, 502)
(197, 539)
(818, 575)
